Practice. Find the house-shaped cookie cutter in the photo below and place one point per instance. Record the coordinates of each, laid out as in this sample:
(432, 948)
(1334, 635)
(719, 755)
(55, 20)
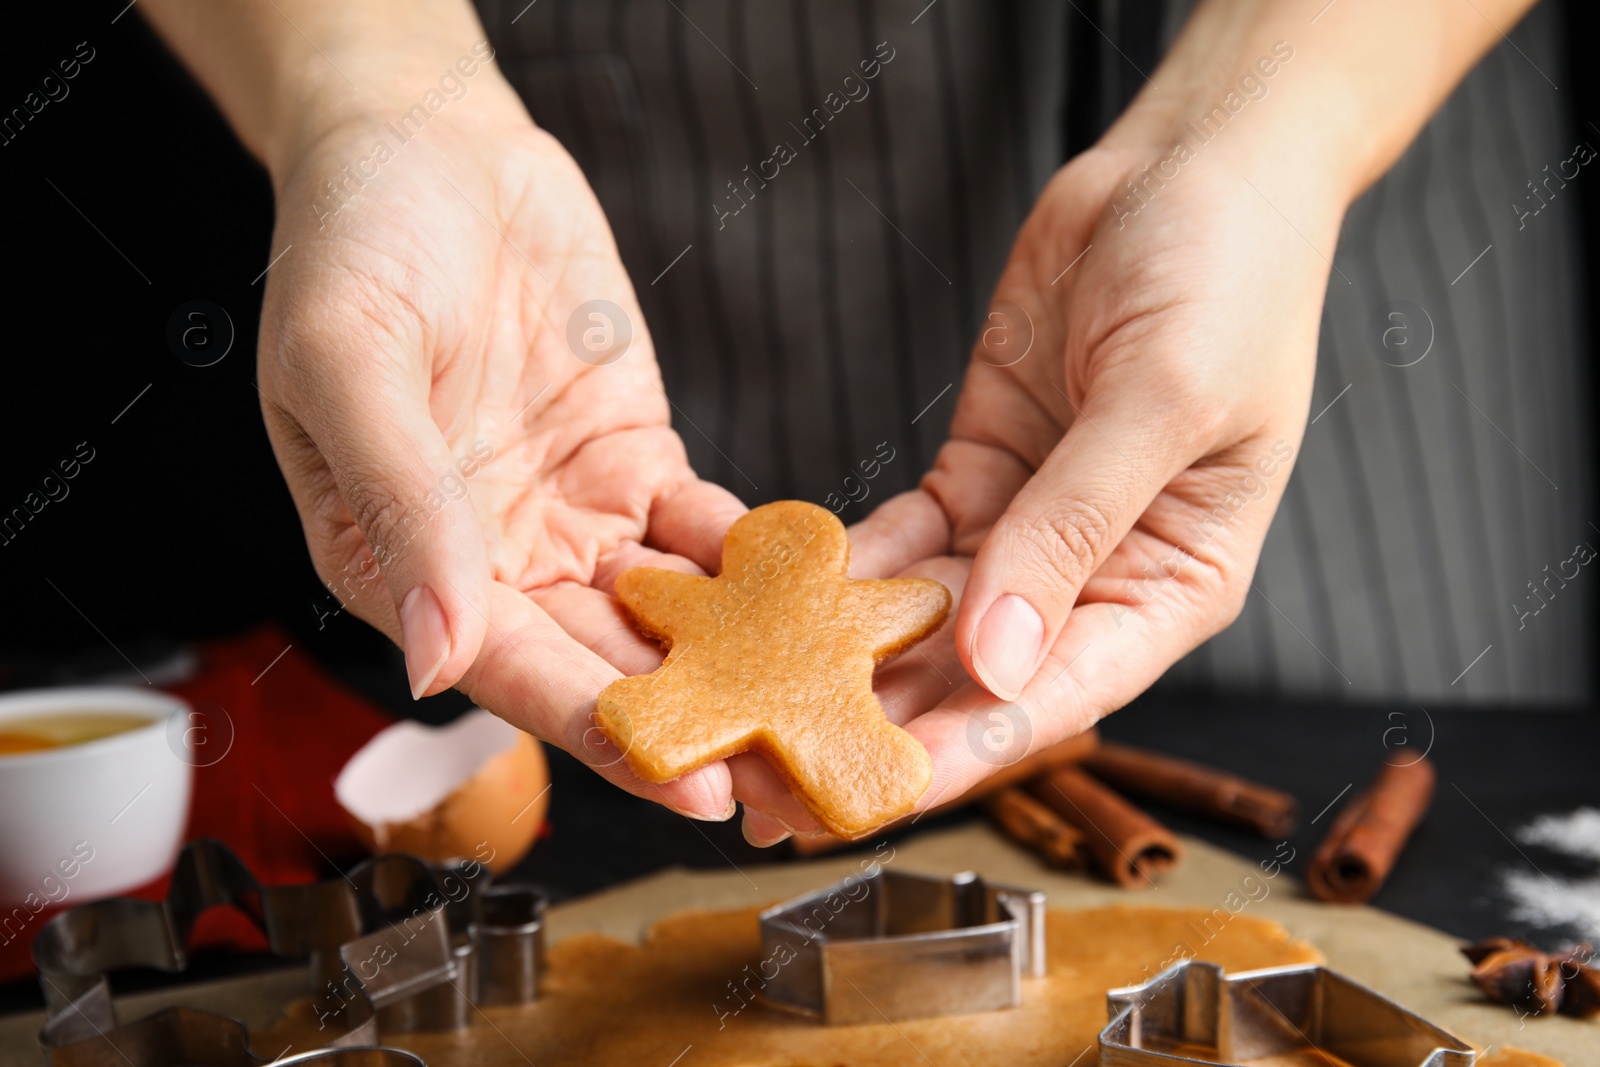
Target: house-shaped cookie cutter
(889, 945)
(1194, 1014)
(397, 944)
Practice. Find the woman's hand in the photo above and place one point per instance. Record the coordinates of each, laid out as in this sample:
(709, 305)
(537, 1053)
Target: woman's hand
(475, 446)
(1139, 390)
(1123, 436)
(1138, 393)
(1124, 433)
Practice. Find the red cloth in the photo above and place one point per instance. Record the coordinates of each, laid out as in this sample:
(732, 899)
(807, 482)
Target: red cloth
(270, 798)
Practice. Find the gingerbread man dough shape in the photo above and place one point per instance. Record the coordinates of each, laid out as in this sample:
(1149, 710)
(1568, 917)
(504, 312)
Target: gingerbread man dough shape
(775, 655)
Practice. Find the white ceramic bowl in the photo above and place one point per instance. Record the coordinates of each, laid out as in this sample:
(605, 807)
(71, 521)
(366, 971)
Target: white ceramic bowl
(96, 818)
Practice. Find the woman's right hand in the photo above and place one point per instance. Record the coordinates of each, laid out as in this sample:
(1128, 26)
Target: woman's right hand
(464, 400)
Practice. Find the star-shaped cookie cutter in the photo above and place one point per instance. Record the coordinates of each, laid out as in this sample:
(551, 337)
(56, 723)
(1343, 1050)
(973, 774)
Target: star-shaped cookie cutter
(1194, 1014)
(397, 944)
(889, 945)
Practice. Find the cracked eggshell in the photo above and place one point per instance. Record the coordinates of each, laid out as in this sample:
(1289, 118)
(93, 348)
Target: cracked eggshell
(477, 788)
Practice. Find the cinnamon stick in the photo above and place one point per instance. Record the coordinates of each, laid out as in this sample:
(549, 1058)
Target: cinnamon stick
(1194, 787)
(1036, 828)
(1046, 759)
(1366, 838)
(1126, 844)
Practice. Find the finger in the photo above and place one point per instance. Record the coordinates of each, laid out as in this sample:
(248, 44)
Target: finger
(919, 679)
(595, 619)
(959, 733)
(338, 550)
(903, 530)
(1149, 605)
(535, 676)
(1107, 655)
(692, 521)
(1057, 532)
(598, 622)
(759, 788)
(631, 554)
(762, 830)
(973, 484)
(928, 672)
(407, 493)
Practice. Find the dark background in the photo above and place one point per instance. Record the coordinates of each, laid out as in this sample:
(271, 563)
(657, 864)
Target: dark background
(181, 527)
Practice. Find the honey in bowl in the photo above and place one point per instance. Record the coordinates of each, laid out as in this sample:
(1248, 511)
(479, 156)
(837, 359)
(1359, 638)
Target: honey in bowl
(39, 733)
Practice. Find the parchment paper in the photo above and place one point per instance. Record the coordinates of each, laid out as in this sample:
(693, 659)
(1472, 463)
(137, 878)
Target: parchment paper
(1417, 966)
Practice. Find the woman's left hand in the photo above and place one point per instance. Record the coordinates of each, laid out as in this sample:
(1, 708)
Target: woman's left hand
(1123, 436)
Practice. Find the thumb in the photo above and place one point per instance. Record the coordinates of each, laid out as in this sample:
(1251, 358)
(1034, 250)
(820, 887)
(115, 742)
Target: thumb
(1057, 531)
(408, 495)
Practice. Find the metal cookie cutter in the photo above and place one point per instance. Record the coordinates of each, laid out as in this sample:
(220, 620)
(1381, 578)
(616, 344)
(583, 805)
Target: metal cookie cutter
(1192, 1014)
(362, 1056)
(901, 946)
(395, 945)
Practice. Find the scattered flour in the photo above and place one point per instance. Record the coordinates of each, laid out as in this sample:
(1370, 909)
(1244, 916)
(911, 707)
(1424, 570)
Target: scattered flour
(1551, 902)
(1572, 902)
(1577, 834)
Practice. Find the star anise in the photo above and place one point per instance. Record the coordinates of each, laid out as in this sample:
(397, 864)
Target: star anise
(1537, 983)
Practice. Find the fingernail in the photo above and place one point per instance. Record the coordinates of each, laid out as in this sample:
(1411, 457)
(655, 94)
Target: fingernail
(1006, 646)
(761, 839)
(425, 637)
(794, 831)
(733, 806)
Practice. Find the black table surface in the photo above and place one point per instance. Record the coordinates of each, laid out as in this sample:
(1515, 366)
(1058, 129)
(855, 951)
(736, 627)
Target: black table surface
(1497, 769)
